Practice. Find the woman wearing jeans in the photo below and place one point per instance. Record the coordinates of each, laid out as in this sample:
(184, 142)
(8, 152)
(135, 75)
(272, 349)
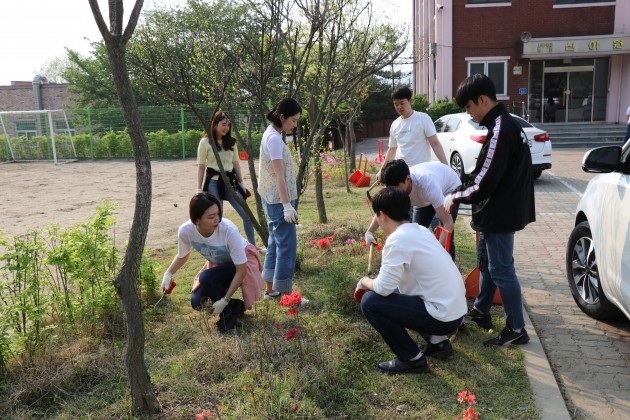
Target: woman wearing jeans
(278, 189)
(208, 168)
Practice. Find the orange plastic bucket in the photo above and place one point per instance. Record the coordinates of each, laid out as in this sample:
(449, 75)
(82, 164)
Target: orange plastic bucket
(357, 174)
(472, 286)
(242, 155)
(438, 233)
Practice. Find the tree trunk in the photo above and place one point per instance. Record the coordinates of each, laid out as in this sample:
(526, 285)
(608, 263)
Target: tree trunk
(143, 398)
(319, 193)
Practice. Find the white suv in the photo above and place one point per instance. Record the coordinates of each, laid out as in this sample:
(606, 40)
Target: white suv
(598, 252)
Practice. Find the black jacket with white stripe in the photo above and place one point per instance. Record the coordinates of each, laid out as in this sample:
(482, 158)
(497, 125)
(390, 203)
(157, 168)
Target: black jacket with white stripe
(501, 187)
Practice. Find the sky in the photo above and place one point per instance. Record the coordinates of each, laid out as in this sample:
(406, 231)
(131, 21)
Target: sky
(33, 32)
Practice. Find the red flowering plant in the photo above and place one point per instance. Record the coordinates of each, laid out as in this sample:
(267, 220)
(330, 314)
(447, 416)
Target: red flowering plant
(292, 301)
(468, 399)
(204, 414)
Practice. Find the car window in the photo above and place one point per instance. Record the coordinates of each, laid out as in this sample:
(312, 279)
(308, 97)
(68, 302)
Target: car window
(522, 122)
(440, 123)
(452, 125)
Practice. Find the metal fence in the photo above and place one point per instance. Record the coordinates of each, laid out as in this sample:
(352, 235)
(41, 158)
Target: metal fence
(172, 132)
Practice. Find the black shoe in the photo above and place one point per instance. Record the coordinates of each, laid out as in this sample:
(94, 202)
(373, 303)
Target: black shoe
(509, 337)
(226, 324)
(476, 317)
(399, 366)
(237, 306)
(442, 350)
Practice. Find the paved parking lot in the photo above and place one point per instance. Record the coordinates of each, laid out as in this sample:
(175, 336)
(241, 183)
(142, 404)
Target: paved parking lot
(590, 359)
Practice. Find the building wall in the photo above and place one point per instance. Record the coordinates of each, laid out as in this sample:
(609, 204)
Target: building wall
(496, 31)
(19, 96)
(445, 37)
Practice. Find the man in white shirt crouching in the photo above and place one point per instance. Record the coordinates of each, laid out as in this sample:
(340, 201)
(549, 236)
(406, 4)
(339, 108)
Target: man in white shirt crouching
(418, 288)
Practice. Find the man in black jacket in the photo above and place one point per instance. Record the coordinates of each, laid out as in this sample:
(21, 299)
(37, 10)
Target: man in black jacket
(501, 192)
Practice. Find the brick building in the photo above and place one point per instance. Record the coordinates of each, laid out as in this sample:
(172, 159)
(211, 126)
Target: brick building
(576, 52)
(35, 95)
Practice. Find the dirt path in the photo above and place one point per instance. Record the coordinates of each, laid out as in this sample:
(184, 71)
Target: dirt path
(35, 195)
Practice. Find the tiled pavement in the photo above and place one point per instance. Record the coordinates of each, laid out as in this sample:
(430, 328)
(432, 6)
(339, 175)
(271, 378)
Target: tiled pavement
(590, 359)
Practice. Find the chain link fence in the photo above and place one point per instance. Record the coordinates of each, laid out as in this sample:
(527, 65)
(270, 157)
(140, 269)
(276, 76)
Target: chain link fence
(172, 132)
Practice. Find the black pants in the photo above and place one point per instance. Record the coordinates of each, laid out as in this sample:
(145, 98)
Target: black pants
(213, 284)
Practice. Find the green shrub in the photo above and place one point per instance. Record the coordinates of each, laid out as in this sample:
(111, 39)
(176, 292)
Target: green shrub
(420, 102)
(442, 107)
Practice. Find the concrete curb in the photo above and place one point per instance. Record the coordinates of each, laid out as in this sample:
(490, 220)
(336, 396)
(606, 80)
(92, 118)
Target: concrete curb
(547, 394)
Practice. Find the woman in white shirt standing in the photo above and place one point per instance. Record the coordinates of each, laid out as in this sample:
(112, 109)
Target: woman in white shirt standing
(278, 189)
(208, 174)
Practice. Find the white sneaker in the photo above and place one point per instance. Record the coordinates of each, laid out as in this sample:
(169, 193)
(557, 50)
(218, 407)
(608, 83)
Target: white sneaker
(271, 295)
(304, 301)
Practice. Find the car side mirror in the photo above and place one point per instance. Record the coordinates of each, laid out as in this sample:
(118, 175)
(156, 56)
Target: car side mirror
(602, 159)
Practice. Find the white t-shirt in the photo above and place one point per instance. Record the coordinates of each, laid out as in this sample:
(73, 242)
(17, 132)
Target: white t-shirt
(431, 181)
(224, 245)
(416, 264)
(273, 148)
(409, 136)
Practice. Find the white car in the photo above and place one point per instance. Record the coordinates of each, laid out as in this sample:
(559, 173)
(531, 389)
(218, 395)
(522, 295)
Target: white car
(461, 138)
(598, 251)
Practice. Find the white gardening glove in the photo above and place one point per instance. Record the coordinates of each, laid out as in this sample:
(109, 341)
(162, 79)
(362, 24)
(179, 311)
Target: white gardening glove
(219, 306)
(290, 215)
(369, 238)
(166, 281)
(244, 188)
(449, 201)
(378, 176)
(359, 291)
(199, 190)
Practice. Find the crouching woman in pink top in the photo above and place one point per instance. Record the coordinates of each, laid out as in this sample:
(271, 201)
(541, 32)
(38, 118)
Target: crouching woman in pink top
(232, 262)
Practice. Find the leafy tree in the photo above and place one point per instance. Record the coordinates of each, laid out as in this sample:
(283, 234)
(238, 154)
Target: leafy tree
(54, 69)
(116, 37)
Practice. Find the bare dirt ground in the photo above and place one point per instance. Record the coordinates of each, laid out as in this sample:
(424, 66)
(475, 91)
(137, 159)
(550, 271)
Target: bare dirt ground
(35, 195)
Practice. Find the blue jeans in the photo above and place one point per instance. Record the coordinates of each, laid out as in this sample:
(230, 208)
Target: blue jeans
(627, 133)
(392, 315)
(281, 249)
(213, 189)
(499, 272)
(424, 215)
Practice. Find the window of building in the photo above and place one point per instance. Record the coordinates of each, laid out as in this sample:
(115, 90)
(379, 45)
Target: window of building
(495, 70)
(582, 1)
(487, 1)
(25, 128)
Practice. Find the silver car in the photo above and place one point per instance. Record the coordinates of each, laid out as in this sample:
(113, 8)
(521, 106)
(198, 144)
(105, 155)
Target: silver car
(461, 138)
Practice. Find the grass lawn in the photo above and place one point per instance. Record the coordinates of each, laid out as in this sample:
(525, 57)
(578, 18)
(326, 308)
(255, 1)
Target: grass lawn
(328, 370)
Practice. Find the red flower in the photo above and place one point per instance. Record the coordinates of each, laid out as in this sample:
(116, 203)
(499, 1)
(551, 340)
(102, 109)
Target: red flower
(205, 414)
(326, 176)
(291, 334)
(292, 311)
(278, 325)
(291, 299)
(470, 414)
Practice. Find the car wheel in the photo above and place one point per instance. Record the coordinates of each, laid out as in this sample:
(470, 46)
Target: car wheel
(536, 173)
(458, 165)
(583, 275)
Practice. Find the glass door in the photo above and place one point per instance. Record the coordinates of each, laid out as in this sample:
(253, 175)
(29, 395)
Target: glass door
(568, 94)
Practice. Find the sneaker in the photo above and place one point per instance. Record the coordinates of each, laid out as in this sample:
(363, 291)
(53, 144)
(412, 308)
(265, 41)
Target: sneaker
(262, 249)
(271, 295)
(509, 337)
(482, 320)
(304, 302)
(442, 350)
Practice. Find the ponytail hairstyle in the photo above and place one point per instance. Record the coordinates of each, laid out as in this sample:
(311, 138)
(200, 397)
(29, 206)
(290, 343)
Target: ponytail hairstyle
(287, 107)
(227, 141)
